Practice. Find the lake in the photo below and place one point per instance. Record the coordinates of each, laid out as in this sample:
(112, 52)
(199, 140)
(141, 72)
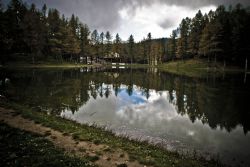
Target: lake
(208, 116)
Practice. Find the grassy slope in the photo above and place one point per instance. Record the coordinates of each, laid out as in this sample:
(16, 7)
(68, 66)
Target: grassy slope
(141, 151)
(68, 65)
(192, 68)
(196, 68)
(46, 65)
(21, 148)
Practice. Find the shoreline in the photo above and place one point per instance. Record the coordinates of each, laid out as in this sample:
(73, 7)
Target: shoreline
(190, 67)
(135, 151)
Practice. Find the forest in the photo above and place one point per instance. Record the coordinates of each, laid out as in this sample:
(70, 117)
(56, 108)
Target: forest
(33, 35)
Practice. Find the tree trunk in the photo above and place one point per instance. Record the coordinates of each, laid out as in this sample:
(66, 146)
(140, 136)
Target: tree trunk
(70, 57)
(33, 59)
(246, 65)
(215, 60)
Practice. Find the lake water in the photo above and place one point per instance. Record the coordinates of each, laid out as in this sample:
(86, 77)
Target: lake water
(210, 115)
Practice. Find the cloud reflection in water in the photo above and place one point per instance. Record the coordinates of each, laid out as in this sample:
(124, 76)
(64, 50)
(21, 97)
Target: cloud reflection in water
(157, 120)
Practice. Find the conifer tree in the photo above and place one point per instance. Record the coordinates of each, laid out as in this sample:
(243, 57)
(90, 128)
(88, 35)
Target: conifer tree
(131, 47)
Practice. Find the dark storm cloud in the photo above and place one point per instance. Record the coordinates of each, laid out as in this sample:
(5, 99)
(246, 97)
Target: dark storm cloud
(104, 14)
(98, 14)
(166, 23)
(188, 3)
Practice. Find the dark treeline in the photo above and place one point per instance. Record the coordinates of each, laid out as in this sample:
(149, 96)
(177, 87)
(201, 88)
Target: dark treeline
(32, 35)
(36, 35)
(221, 35)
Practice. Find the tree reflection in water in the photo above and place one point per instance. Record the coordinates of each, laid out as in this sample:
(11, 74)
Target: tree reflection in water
(218, 102)
(208, 114)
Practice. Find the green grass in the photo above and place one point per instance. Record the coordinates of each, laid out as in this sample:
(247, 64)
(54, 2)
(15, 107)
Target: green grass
(48, 64)
(197, 68)
(21, 148)
(141, 151)
(191, 68)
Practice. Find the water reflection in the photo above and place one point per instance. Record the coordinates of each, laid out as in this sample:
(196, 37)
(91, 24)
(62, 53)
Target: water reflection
(210, 115)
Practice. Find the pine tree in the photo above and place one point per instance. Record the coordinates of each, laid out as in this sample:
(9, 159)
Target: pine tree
(84, 40)
(54, 34)
(108, 43)
(184, 34)
(131, 47)
(144, 50)
(74, 24)
(44, 10)
(216, 48)
(95, 43)
(14, 16)
(149, 47)
(240, 35)
(173, 44)
(34, 30)
(117, 45)
(163, 49)
(4, 41)
(197, 25)
(102, 38)
(70, 44)
(204, 45)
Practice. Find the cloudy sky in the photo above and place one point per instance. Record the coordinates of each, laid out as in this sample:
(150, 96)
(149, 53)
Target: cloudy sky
(137, 17)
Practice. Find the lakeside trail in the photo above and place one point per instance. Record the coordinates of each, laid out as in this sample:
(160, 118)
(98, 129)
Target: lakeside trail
(112, 158)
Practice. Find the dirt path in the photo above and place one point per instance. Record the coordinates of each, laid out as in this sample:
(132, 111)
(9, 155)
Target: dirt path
(79, 148)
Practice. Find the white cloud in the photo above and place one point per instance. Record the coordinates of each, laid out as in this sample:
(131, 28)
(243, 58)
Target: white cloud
(158, 18)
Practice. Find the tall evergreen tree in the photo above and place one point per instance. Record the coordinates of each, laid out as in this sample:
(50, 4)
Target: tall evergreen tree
(44, 10)
(74, 24)
(184, 34)
(163, 49)
(204, 45)
(240, 35)
(34, 31)
(3, 36)
(55, 34)
(95, 43)
(149, 47)
(131, 46)
(117, 45)
(70, 44)
(84, 40)
(102, 38)
(144, 50)
(108, 42)
(216, 48)
(14, 16)
(173, 44)
(197, 25)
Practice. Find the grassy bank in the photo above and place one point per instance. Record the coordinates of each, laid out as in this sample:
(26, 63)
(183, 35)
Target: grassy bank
(141, 151)
(191, 68)
(21, 148)
(46, 65)
(196, 68)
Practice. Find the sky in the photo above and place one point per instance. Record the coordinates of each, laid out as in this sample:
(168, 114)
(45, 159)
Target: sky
(137, 17)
